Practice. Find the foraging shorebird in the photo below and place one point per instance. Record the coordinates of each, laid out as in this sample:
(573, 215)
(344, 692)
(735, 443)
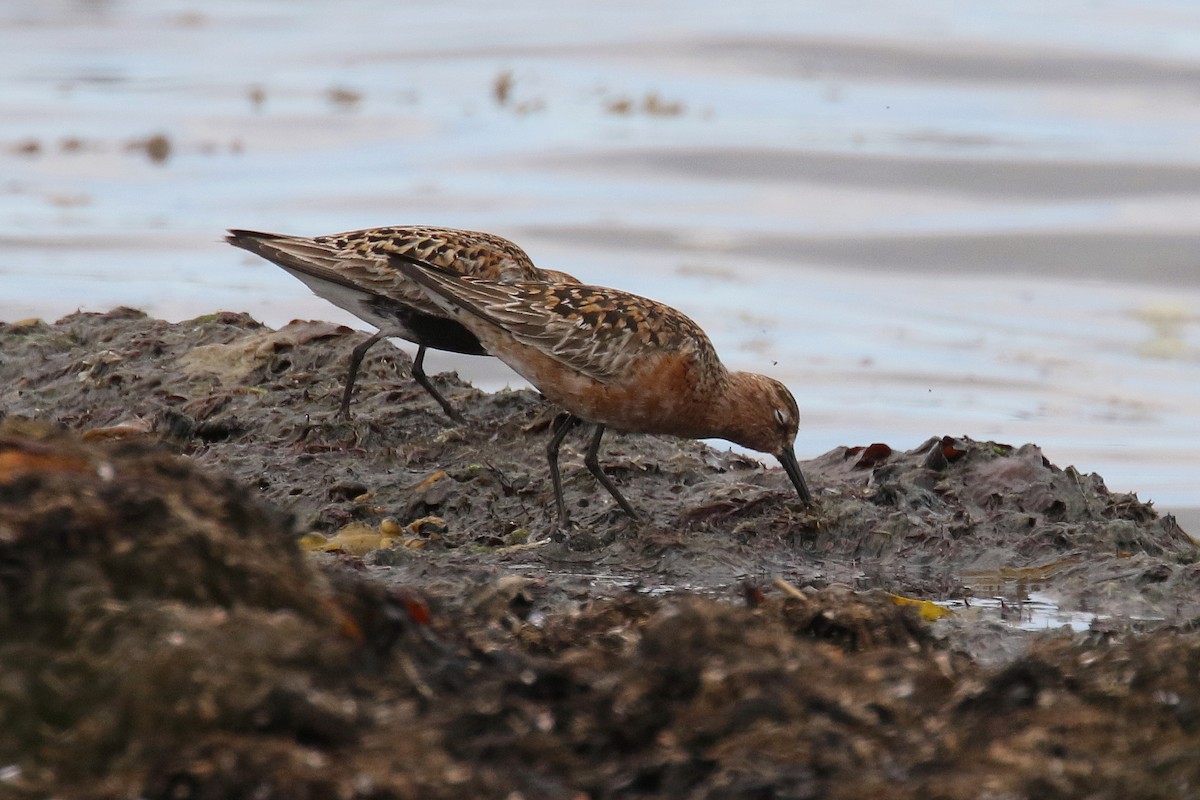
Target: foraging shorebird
(352, 270)
(615, 359)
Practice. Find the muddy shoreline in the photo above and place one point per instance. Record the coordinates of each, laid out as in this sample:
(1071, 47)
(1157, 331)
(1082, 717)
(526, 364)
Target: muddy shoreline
(380, 607)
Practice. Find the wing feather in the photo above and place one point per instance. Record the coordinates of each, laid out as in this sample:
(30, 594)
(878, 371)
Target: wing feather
(360, 260)
(596, 331)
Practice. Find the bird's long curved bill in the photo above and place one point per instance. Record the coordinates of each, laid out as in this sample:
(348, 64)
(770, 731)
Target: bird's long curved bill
(788, 458)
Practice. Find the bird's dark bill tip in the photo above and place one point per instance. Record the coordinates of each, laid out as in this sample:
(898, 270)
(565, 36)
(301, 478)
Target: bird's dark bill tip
(788, 459)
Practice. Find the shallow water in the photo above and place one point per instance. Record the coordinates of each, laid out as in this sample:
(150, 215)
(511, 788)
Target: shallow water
(944, 219)
(1033, 613)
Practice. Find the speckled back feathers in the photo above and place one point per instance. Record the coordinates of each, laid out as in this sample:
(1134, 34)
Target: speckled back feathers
(353, 269)
(596, 331)
(474, 253)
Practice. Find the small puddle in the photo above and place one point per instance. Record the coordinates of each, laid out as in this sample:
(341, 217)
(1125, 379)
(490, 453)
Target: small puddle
(1021, 598)
(1032, 612)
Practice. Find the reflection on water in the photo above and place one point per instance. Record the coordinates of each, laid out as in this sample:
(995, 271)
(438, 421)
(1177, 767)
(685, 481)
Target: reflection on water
(1025, 598)
(1032, 612)
(1021, 598)
(929, 220)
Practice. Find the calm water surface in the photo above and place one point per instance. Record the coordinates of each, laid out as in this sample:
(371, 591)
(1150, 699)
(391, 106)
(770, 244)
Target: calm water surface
(957, 218)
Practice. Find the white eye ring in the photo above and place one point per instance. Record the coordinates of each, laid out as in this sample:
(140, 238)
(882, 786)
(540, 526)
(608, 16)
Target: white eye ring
(781, 416)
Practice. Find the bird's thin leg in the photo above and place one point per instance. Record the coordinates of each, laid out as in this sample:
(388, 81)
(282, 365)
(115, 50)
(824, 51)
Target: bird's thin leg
(356, 358)
(592, 460)
(567, 423)
(418, 373)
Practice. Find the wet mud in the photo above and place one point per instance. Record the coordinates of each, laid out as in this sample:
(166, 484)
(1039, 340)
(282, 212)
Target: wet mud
(211, 586)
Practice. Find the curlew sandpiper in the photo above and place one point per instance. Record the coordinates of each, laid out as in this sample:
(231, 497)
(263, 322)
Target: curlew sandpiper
(352, 271)
(614, 359)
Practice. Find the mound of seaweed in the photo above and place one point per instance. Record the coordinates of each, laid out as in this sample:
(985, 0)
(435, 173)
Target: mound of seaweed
(163, 634)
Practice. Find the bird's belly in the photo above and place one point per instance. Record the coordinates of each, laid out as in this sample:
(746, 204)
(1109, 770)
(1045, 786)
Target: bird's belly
(395, 318)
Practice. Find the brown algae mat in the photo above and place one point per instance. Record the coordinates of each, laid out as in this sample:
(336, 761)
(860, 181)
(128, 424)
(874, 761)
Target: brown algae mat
(212, 587)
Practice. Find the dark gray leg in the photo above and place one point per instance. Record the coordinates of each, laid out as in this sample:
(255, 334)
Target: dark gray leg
(356, 358)
(418, 373)
(592, 460)
(564, 427)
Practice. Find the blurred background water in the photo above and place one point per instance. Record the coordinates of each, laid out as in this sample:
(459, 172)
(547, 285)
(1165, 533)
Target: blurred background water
(957, 217)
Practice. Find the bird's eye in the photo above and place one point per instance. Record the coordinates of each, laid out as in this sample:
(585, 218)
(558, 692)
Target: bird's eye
(781, 416)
